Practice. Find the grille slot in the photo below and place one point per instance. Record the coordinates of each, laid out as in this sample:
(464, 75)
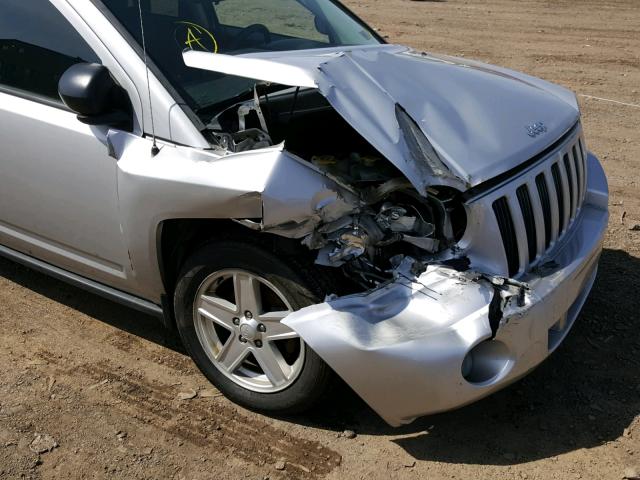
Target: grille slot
(557, 182)
(543, 193)
(577, 162)
(548, 200)
(583, 160)
(529, 220)
(572, 193)
(508, 233)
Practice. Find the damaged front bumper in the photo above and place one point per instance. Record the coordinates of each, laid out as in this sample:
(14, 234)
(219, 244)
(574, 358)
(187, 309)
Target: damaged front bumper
(419, 346)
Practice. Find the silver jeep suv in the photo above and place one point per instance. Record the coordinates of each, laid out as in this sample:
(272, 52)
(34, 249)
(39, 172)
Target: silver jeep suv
(297, 198)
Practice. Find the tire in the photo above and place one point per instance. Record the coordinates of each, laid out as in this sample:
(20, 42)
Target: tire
(205, 296)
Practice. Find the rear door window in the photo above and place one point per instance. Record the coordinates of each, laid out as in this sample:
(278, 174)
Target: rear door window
(37, 45)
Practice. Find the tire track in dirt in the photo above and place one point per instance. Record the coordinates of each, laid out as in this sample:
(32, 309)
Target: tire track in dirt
(204, 423)
(128, 343)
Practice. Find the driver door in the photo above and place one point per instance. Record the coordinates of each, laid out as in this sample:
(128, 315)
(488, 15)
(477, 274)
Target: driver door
(58, 191)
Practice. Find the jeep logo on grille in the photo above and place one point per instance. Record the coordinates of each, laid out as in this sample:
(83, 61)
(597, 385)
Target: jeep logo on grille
(536, 129)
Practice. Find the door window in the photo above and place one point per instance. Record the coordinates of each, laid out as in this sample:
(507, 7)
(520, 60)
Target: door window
(37, 45)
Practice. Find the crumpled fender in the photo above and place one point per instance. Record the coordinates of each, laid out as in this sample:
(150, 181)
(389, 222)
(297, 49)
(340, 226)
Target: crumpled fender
(280, 192)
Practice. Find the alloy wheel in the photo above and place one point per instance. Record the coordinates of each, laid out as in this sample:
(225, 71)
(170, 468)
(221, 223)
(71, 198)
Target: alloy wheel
(237, 318)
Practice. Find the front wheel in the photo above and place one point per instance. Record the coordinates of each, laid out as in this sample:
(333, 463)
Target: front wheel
(230, 301)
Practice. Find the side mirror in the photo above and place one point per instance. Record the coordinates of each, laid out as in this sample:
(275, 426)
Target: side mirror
(89, 90)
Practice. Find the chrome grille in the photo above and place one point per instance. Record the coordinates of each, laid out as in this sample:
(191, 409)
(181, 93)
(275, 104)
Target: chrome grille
(538, 210)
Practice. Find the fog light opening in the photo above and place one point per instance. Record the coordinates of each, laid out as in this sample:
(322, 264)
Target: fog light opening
(467, 365)
(485, 362)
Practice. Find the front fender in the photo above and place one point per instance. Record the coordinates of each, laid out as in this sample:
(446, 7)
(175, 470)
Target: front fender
(273, 188)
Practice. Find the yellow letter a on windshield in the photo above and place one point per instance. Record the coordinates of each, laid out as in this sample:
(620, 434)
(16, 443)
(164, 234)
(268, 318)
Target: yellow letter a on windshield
(191, 39)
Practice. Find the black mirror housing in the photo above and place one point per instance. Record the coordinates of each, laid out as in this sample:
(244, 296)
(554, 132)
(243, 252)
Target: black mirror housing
(86, 88)
(89, 90)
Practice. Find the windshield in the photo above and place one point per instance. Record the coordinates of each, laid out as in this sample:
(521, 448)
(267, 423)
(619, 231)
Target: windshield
(233, 27)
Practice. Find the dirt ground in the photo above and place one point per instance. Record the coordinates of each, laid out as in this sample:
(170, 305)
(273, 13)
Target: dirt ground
(103, 382)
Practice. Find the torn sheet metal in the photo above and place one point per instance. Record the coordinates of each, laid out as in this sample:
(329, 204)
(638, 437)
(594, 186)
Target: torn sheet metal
(504, 290)
(297, 198)
(447, 98)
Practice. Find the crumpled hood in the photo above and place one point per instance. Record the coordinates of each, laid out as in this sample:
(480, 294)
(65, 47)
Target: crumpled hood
(478, 118)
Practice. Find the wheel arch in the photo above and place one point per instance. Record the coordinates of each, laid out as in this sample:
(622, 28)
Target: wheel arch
(178, 238)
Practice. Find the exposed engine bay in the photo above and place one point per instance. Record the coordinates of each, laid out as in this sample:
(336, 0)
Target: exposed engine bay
(392, 219)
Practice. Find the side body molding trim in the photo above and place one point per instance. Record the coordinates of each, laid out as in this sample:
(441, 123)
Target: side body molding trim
(105, 291)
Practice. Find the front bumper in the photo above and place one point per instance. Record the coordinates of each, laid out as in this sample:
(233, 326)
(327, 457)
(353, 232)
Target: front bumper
(420, 346)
